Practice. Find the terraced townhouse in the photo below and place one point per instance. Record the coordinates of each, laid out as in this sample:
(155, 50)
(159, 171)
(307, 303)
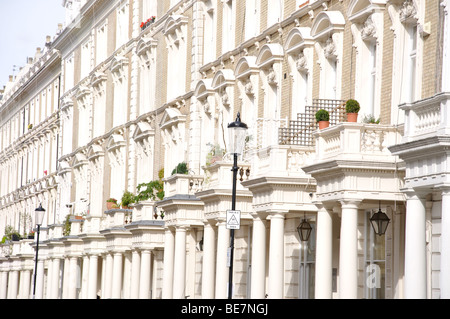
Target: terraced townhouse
(133, 96)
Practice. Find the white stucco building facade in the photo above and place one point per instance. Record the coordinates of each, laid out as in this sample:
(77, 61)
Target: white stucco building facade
(128, 90)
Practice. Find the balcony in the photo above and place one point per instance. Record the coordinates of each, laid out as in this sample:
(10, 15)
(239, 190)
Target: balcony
(352, 160)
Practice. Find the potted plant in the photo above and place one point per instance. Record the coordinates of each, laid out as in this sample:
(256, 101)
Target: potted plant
(352, 108)
(323, 118)
(180, 169)
(111, 203)
(127, 199)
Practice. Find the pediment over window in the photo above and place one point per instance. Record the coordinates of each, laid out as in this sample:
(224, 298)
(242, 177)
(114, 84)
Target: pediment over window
(245, 67)
(115, 141)
(222, 78)
(98, 78)
(297, 39)
(143, 131)
(118, 67)
(171, 117)
(78, 160)
(326, 23)
(359, 10)
(94, 151)
(173, 28)
(269, 54)
(203, 89)
(145, 48)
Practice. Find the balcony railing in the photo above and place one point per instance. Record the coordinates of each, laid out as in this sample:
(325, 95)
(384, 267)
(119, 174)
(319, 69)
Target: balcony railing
(427, 117)
(300, 132)
(356, 141)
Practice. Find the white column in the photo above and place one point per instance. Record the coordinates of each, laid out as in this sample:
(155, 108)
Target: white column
(209, 241)
(93, 277)
(49, 279)
(85, 277)
(3, 284)
(72, 289)
(415, 248)
(117, 276)
(276, 256)
(66, 278)
(223, 240)
(348, 251)
(135, 273)
(169, 247)
(13, 284)
(108, 276)
(56, 269)
(179, 275)
(145, 275)
(445, 246)
(40, 280)
(324, 254)
(25, 284)
(258, 274)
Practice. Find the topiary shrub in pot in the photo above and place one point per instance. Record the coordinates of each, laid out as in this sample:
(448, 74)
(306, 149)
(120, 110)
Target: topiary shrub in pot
(352, 108)
(323, 118)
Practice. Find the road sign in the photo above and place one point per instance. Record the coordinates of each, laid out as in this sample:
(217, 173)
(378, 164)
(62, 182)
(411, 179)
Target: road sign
(233, 219)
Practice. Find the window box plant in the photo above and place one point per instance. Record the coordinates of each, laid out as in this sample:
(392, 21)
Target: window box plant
(352, 108)
(127, 199)
(323, 118)
(111, 203)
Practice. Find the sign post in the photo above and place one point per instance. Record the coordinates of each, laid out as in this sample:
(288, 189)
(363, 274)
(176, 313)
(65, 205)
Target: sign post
(233, 219)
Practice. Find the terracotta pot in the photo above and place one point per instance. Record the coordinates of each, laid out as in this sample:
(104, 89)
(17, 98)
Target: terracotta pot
(352, 117)
(109, 205)
(323, 124)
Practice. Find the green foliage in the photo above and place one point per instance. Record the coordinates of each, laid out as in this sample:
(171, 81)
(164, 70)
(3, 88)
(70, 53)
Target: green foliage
(371, 119)
(152, 190)
(111, 200)
(9, 233)
(322, 115)
(127, 199)
(67, 226)
(180, 169)
(352, 106)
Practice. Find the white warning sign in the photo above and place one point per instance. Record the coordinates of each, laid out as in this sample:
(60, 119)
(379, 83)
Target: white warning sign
(233, 219)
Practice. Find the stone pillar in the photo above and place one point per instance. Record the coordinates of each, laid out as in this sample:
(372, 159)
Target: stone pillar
(117, 275)
(415, 248)
(169, 247)
(179, 275)
(145, 274)
(49, 279)
(25, 280)
(85, 277)
(223, 240)
(108, 276)
(13, 284)
(3, 284)
(445, 246)
(72, 289)
(276, 256)
(324, 254)
(54, 288)
(40, 280)
(209, 241)
(258, 274)
(135, 273)
(93, 277)
(348, 251)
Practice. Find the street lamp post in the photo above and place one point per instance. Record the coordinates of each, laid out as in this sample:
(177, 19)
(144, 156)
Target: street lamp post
(39, 217)
(238, 132)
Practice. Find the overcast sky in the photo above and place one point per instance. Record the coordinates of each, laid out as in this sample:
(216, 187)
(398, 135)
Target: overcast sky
(24, 25)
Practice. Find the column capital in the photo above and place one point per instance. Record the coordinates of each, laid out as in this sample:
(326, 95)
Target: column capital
(350, 203)
(412, 193)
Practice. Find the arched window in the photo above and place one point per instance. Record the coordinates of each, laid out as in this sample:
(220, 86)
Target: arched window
(327, 31)
(299, 47)
(367, 19)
